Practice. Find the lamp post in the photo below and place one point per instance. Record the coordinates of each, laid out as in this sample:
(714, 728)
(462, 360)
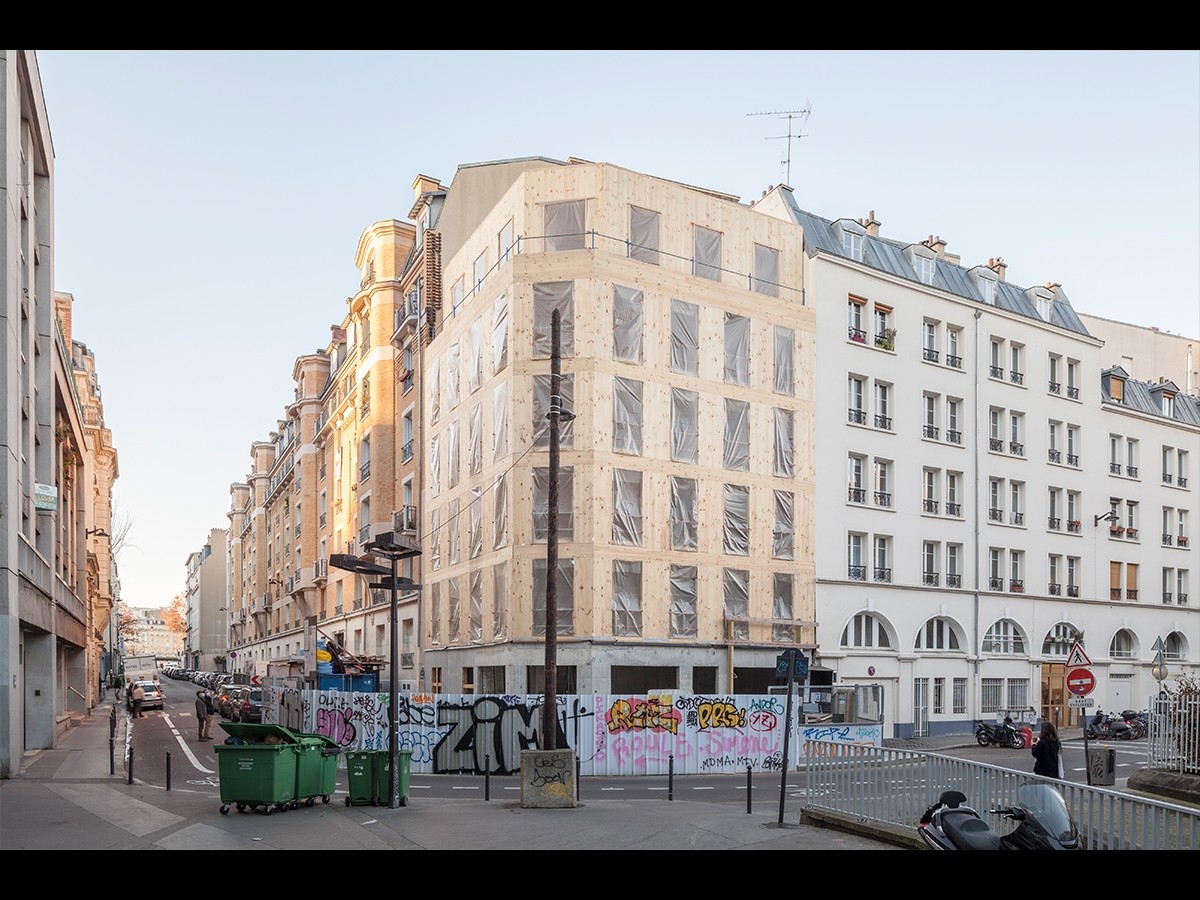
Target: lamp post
(394, 550)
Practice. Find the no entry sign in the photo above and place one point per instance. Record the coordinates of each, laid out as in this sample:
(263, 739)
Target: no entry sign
(1081, 682)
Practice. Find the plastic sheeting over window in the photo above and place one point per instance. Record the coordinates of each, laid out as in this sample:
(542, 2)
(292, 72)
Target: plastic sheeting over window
(476, 588)
(500, 512)
(475, 356)
(500, 600)
(785, 443)
(541, 408)
(455, 610)
(627, 416)
(685, 337)
(627, 507)
(435, 391)
(452, 524)
(547, 297)
(782, 605)
(737, 349)
(435, 465)
(500, 334)
(627, 324)
(685, 425)
(452, 454)
(783, 533)
(766, 270)
(435, 612)
(737, 600)
(435, 539)
(785, 361)
(627, 598)
(566, 503)
(643, 235)
(684, 618)
(736, 530)
(564, 599)
(475, 440)
(564, 226)
(500, 421)
(684, 528)
(475, 523)
(737, 435)
(452, 376)
(707, 252)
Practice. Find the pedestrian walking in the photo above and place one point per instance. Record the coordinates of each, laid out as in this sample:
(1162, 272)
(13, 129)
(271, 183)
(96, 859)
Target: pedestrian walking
(201, 716)
(209, 712)
(1047, 753)
(138, 695)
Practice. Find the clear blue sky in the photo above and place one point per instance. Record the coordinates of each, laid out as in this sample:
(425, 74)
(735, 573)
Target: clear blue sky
(208, 203)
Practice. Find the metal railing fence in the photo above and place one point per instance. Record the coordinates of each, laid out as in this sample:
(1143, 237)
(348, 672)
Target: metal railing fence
(892, 788)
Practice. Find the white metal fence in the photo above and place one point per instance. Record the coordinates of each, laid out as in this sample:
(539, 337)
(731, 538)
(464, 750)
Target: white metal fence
(859, 784)
(1173, 738)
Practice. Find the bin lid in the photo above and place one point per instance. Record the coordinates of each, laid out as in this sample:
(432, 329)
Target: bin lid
(253, 733)
(323, 741)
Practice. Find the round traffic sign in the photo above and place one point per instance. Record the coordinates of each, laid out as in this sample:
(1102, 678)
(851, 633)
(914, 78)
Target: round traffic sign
(1081, 682)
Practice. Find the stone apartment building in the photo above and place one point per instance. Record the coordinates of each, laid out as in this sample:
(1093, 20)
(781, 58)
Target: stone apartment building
(206, 642)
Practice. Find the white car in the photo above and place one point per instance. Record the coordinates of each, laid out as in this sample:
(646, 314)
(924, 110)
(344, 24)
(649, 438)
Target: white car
(153, 698)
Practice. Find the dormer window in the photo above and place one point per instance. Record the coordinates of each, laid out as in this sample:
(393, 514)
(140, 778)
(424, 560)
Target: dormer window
(1168, 404)
(852, 244)
(1043, 308)
(925, 270)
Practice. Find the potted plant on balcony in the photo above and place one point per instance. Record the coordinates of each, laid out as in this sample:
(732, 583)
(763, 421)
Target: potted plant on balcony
(858, 336)
(1117, 530)
(886, 339)
(1074, 525)
(1182, 540)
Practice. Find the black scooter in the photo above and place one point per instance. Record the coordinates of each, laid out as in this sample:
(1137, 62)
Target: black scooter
(1005, 735)
(1043, 823)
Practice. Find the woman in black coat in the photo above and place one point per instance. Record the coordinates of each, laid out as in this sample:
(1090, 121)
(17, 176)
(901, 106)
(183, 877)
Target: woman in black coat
(1047, 752)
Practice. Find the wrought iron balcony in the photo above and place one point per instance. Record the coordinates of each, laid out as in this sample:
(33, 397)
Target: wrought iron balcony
(995, 515)
(856, 573)
(929, 355)
(996, 371)
(1055, 387)
(1168, 597)
(1131, 471)
(1016, 585)
(1055, 589)
(930, 431)
(856, 416)
(883, 498)
(955, 362)
(1073, 392)
(1131, 593)
(1016, 448)
(1114, 468)
(1114, 593)
(883, 574)
(953, 436)
(996, 444)
(1073, 459)
(1168, 539)
(929, 579)
(1168, 478)
(1054, 456)
(1054, 523)
(1072, 590)
(406, 452)
(856, 334)
(884, 422)
(954, 580)
(1016, 377)
(954, 509)
(857, 495)
(995, 584)
(930, 506)
(1017, 518)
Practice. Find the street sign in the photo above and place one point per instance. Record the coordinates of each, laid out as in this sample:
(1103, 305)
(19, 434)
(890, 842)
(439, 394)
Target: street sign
(1081, 682)
(801, 664)
(1080, 702)
(1077, 657)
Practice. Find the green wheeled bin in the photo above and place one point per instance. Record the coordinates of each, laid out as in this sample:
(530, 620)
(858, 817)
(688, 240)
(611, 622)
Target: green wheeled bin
(257, 767)
(403, 765)
(362, 776)
(316, 767)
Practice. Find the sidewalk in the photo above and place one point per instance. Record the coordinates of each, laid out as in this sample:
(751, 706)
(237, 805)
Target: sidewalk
(66, 799)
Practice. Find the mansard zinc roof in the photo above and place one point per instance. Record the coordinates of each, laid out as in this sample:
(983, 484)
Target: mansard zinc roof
(1144, 397)
(889, 256)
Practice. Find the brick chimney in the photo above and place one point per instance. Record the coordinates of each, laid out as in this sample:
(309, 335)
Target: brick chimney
(872, 224)
(1053, 287)
(423, 184)
(998, 265)
(937, 245)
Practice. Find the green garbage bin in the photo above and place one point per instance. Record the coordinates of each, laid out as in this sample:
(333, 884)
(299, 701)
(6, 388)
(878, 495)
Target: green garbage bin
(403, 766)
(316, 767)
(257, 767)
(362, 776)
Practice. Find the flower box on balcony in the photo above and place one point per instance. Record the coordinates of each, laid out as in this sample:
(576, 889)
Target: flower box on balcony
(1117, 530)
(1182, 540)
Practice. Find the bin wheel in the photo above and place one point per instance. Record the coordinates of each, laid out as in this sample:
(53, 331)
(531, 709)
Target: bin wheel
(295, 804)
(404, 801)
(325, 799)
(224, 809)
(347, 801)
(267, 810)
(310, 801)
(241, 807)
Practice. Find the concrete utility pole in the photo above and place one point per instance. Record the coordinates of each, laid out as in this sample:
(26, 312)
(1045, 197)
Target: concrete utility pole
(550, 702)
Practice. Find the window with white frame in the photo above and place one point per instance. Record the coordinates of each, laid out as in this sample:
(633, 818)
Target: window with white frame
(1168, 464)
(855, 327)
(996, 430)
(1016, 365)
(1131, 457)
(1054, 497)
(883, 408)
(930, 479)
(855, 412)
(1181, 468)
(929, 405)
(954, 555)
(953, 432)
(953, 501)
(885, 334)
(1073, 379)
(996, 358)
(953, 339)
(925, 268)
(1016, 571)
(882, 558)
(1016, 497)
(959, 697)
(852, 245)
(1072, 445)
(1053, 441)
(1054, 570)
(929, 341)
(856, 567)
(929, 562)
(1054, 379)
(937, 633)
(882, 481)
(865, 631)
(995, 569)
(1016, 433)
(856, 491)
(995, 499)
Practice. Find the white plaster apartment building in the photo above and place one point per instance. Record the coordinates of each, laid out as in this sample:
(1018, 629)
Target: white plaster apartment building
(153, 635)
(206, 642)
(963, 466)
(686, 489)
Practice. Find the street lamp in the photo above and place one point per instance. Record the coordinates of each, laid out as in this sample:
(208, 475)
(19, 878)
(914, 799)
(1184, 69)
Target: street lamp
(389, 546)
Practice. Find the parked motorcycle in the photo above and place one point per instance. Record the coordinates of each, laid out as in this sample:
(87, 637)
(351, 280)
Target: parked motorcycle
(1138, 722)
(1106, 726)
(1043, 823)
(1005, 735)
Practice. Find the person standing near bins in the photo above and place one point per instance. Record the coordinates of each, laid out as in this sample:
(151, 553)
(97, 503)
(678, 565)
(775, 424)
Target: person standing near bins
(138, 695)
(201, 715)
(209, 712)
(1047, 753)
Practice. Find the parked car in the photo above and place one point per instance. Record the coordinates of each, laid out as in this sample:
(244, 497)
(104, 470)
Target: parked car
(230, 700)
(249, 708)
(153, 698)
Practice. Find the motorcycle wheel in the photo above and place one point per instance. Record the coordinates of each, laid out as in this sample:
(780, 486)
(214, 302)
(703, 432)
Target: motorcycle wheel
(1017, 741)
(982, 739)
(1091, 733)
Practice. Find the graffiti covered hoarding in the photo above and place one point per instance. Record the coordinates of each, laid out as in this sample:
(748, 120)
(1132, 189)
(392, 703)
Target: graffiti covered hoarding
(610, 734)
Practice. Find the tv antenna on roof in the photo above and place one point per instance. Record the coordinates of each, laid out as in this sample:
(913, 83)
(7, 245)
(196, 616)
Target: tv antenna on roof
(790, 115)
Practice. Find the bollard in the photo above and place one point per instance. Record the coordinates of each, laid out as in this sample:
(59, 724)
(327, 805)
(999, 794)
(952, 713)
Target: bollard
(130, 767)
(112, 757)
(168, 771)
(577, 777)
(749, 787)
(671, 777)
(487, 777)
(112, 722)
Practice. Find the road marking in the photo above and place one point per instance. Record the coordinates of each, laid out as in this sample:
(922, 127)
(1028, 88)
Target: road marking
(703, 789)
(616, 789)
(464, 787)
(199, 766)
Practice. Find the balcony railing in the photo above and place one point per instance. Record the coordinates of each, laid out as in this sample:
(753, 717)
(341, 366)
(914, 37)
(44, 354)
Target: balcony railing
(1054, 523)
(856, 416)
(1131, 593)
(953, 509)
(883, 574)
(1131, 533)
(1181, 481)
(1114, 593)
(406, 452)
(856, 334)
(995, 515)
(1054, 456)
(1074, 526)
(1167, 478)
(1168, 597)
(1016, 448)
(953, 580)
(996, 444)
(955, 362)
(1017, 518)
(1055, 387)
(953, 436)
(930, 431)
(1072, 590)
(1016, 377)
(996, 371)
(364, 534)
(1055, 589)
(1131, 471)
(1181, 540)
(929, 579)
(857, 495)
(884, 422)
(1073, 459)
(364, 470)
(856, 573)
(1168, 539)
(1073, 392)
(1016, 585)
(929, 355)
(1182, 600)
(1114, 468)
(995, 584)
(931, 506)
(883, 498)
